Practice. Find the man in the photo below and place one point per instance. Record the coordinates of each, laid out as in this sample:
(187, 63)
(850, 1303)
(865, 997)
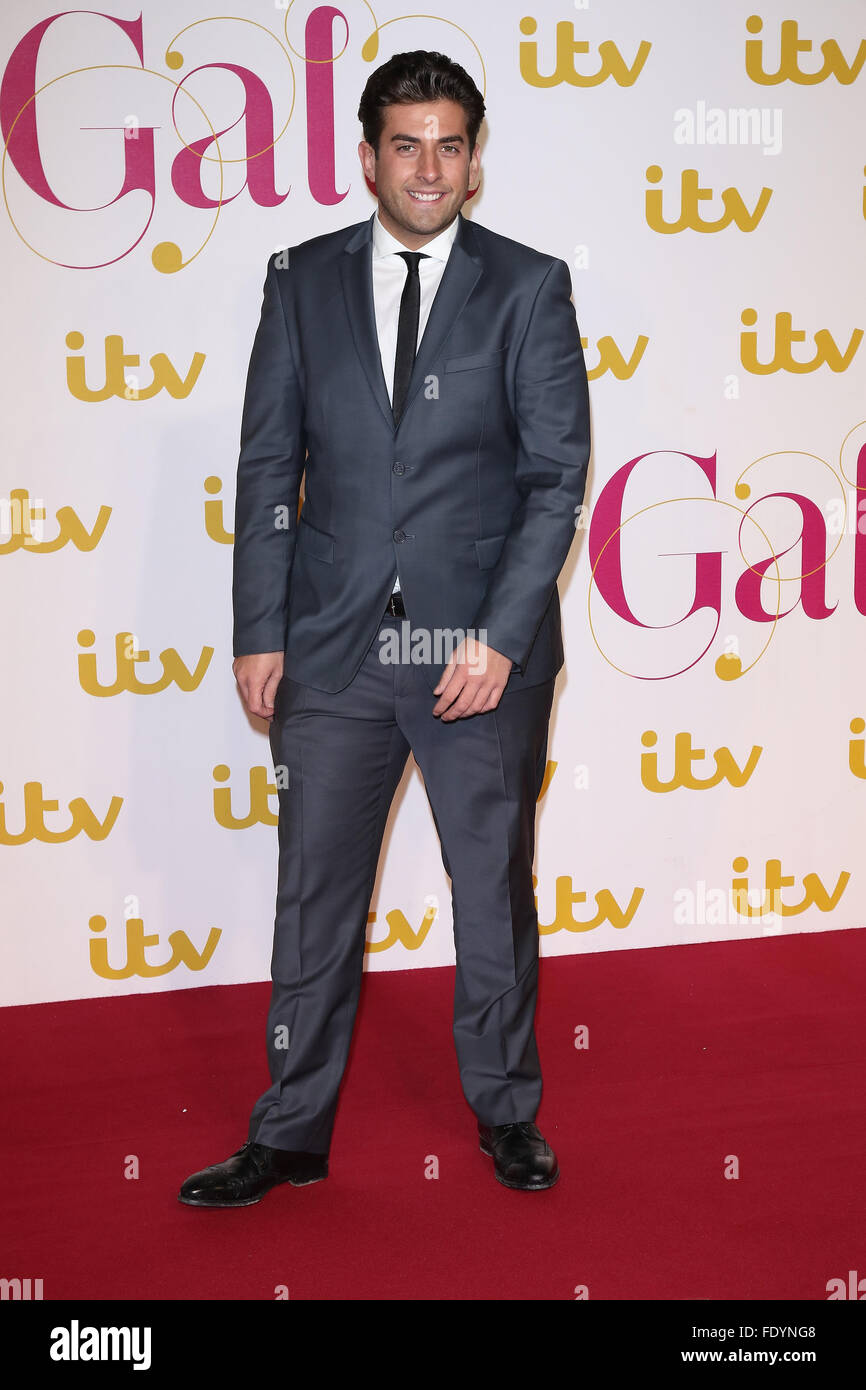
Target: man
(427, 376)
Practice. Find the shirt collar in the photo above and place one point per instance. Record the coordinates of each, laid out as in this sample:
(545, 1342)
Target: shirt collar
(384, 244)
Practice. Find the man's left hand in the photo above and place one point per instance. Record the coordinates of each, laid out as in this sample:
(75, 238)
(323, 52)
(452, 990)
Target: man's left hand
(472, 682)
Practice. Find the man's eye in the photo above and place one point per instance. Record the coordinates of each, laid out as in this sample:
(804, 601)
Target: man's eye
(405, 147)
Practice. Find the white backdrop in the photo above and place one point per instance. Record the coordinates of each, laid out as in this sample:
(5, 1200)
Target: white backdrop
(133, 274)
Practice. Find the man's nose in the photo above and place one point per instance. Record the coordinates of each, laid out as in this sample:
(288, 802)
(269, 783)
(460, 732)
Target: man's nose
(428, 165)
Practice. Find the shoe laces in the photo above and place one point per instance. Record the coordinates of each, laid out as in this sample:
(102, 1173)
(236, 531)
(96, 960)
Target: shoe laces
(258, 1153)
(526, 1127)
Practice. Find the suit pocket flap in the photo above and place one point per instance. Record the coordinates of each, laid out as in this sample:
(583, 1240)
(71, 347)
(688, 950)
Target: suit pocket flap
(469, 361)
(488, 551)
(314, 542)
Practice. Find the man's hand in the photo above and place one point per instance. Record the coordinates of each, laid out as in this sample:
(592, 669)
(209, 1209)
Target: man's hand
(472, 682)
(258, 677)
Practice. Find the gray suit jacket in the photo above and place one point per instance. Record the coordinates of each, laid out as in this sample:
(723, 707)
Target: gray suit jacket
(471, 499)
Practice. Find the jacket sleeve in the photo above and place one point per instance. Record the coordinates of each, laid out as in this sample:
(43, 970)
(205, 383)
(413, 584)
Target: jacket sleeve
(270, 467)
(553, 429)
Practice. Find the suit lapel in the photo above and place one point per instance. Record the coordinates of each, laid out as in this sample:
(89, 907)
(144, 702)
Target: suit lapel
(459, 278)
(357, 276)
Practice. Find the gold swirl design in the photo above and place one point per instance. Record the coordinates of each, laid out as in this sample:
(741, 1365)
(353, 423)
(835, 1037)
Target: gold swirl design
(742, 490)
(174, 59)
(728, 667)
(166, 257)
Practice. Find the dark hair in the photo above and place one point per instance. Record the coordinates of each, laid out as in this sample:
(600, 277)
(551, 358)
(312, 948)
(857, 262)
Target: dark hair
(415, 77)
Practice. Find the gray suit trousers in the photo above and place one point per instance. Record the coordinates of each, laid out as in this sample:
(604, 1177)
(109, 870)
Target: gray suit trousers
(345, 754)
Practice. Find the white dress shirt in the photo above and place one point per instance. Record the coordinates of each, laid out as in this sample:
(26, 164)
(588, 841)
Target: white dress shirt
(389, 277)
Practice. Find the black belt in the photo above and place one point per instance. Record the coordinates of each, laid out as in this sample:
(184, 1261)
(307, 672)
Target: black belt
(395, 607)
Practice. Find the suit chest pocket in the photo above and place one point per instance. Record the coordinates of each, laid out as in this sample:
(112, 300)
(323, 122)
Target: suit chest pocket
(475, 361)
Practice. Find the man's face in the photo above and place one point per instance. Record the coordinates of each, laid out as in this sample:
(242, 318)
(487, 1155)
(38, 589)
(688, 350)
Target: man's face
(423, 170)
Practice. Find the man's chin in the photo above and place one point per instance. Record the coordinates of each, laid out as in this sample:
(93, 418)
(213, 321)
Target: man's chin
(432, 218)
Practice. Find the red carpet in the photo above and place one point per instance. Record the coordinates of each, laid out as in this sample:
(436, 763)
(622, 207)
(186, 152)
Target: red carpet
(755, 1049)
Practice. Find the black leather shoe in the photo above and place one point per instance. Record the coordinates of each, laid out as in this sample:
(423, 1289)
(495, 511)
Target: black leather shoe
(522, 1157)
(251, 1172)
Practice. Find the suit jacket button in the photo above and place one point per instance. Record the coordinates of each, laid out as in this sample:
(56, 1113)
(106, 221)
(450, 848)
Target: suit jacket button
(399, 535)
(399, 468)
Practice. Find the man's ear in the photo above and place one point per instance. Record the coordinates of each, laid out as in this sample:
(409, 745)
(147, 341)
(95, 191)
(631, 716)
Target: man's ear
(474, 172)
(367, 156)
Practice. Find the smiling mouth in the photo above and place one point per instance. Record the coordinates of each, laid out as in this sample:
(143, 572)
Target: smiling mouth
(425, 197)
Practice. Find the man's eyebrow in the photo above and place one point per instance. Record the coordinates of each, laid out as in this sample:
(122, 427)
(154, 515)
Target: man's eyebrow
(443, 139)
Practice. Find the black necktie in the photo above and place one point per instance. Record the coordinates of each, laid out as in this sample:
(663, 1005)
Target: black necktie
(407, 331)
